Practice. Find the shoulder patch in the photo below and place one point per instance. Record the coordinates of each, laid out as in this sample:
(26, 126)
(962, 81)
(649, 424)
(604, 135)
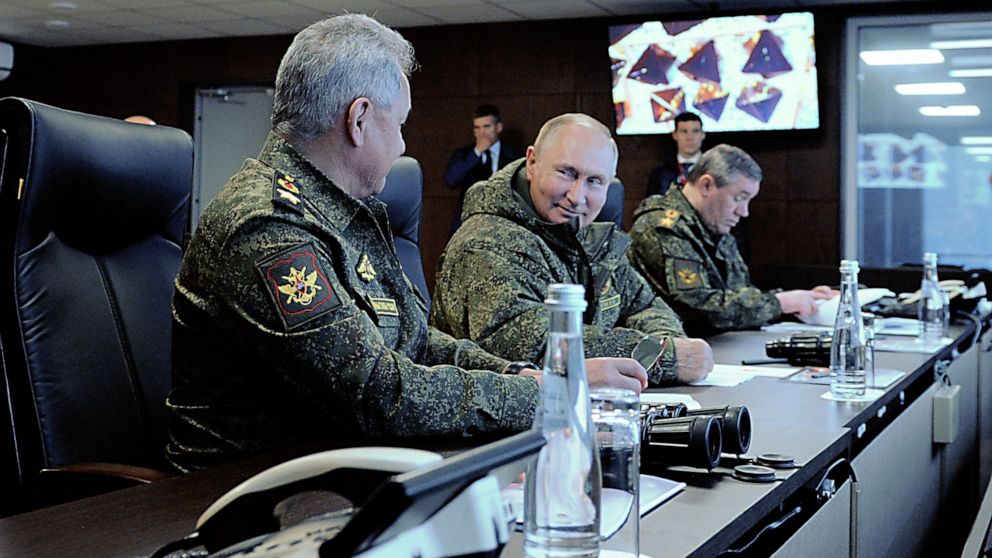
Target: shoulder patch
(286, 192)
(687, 274)
(671, 216)
(296, 281)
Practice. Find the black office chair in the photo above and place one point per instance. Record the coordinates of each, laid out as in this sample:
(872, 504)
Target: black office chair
(93, 213)
(613, 208)
(404, 199)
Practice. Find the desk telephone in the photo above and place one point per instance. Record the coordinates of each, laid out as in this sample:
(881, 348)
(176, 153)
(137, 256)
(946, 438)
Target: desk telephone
(408, 503)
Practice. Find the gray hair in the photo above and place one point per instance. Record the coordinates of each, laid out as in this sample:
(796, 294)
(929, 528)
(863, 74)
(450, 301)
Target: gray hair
(724, 163)
(550, 128)
(330, 64)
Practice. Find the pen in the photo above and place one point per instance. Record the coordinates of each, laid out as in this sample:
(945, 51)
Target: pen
(755, 361)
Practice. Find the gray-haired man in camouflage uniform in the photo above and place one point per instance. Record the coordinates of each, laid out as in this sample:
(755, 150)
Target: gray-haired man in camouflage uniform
(293, 321)
(531, 224)
(682, 247)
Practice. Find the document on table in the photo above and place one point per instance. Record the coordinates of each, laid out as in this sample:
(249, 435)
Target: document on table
(795, 327)
(729, 375)
(909, 345)
(615, 503)
(660, 398)
(897, 326)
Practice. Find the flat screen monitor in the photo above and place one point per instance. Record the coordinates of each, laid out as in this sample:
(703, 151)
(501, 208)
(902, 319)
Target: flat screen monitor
(739, 73)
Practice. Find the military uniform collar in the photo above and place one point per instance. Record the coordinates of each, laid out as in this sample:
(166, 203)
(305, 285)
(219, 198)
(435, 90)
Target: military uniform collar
(320, 192)
(691, 217)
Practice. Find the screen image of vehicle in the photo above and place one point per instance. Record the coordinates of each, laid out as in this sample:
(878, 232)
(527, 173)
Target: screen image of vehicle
(740, 73)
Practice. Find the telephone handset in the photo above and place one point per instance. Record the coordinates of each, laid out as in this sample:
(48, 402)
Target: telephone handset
(432, 507)
(245, 511)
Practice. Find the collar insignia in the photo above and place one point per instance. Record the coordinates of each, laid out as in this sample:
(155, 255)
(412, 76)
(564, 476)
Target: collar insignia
(365, 269)
(286, 192)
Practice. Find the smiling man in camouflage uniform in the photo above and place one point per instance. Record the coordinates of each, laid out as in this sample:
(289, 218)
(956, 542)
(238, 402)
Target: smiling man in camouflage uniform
(531, 224)
(682, 247)
(293, 321)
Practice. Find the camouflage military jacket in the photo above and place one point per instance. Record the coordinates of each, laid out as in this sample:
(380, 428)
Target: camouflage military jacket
(701, 274)
(494, 276)
(293, 323)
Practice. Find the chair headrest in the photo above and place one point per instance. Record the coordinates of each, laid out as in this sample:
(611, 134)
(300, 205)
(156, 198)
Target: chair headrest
(404, 198)
(88, 179)
(613, 207)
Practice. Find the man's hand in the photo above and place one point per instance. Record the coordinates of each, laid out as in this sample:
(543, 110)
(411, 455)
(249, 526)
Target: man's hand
(803, 303)
(623, 373)
(694, 359)
(483, 142)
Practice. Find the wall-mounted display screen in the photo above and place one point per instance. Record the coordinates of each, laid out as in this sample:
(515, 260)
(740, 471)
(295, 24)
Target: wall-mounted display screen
(738, 73)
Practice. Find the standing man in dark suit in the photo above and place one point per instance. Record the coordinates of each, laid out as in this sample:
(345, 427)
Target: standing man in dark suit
(689, 136)
(473, 163)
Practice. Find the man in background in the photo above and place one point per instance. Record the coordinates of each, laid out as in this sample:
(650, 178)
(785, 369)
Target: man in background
(532, 224)
(688, 136)
(293, 322)
(478, 161)
(682, 246)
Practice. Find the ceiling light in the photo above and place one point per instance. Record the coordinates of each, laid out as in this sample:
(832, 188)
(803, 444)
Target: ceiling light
(972, 72)
(56, 24)
(901, 57)
(976, 140)
(942, 88)
(953, 110)
(983, 158)
(978, 150)
(967, 43)
(63, 6)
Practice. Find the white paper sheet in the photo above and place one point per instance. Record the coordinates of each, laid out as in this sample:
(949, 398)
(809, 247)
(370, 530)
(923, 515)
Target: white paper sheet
(657, 397)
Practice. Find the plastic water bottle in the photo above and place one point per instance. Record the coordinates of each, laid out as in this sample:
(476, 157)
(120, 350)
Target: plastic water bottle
(563, 485)
(931, 310)
(848, 350)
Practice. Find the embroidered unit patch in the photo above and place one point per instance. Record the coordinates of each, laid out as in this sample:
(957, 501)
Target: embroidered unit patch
(298, 285)
(687, 274)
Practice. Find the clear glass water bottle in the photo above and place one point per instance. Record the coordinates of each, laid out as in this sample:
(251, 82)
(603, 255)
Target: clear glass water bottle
(849, 349)
(563, 485)
(931, 310)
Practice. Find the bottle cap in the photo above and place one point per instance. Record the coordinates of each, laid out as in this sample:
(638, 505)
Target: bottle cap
(564, 296)
(849, 265)
(930, 258)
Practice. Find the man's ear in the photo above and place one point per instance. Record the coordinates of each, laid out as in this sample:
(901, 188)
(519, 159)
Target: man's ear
(706, 185)
(499, 128)
(531, 161)
(359, 113)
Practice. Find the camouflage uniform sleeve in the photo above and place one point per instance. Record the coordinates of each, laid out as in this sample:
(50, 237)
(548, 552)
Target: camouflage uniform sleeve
(445, 349)
(646, 312)
(337, 359)
(496, 298)
(672, 267)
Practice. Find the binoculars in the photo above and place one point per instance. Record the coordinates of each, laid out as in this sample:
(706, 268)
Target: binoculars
(802, 349)
(673, 435)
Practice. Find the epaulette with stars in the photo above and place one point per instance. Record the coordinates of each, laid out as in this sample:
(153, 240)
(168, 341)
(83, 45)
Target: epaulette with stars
(671, 216)
(286, 193)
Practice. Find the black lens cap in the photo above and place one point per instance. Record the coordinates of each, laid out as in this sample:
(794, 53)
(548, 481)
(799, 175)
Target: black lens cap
(754, 473)
(776, 460)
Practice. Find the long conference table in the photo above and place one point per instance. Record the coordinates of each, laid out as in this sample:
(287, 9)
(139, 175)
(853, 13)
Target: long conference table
(913, 497)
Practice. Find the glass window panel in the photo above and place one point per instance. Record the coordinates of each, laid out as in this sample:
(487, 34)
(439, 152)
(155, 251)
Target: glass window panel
(912, 182)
